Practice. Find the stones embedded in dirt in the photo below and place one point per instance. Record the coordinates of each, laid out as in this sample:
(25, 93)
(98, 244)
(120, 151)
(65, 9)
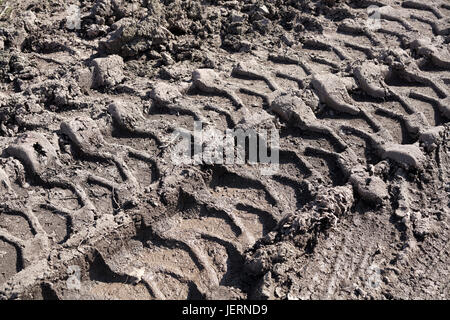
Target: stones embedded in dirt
(108, 71)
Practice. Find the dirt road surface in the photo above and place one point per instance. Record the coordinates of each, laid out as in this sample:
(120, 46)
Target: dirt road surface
(93, 204)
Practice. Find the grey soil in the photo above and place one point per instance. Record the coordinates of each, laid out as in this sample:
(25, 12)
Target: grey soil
(93, 207)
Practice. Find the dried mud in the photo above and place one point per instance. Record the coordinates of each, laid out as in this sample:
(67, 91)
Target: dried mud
(92, 206)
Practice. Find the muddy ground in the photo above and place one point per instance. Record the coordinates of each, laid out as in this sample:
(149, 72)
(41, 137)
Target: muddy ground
(93, 205)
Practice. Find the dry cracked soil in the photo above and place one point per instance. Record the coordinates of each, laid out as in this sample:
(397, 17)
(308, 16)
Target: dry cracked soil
(95, 93)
